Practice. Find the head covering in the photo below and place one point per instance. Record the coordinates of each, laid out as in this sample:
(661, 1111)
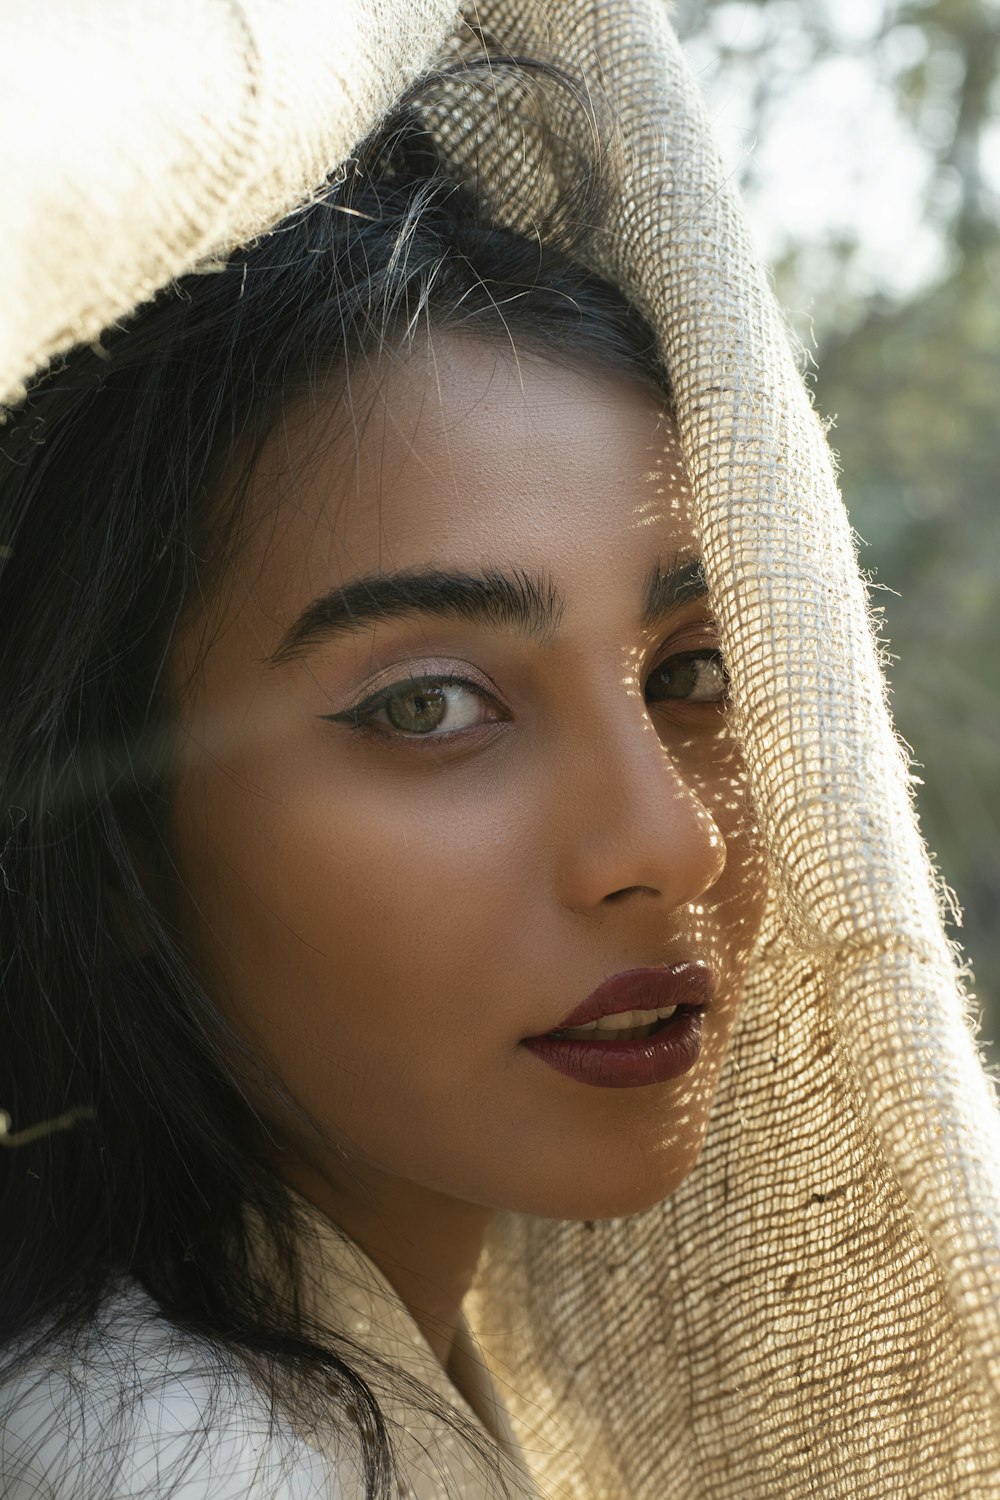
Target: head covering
(815, 1310)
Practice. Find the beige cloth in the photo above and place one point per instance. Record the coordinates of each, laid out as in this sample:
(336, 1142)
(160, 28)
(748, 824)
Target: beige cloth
(820, 1298)
(345, 1291)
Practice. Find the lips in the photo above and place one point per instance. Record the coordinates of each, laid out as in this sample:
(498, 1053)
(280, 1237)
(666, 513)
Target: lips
(690, 983)
(657, 1055)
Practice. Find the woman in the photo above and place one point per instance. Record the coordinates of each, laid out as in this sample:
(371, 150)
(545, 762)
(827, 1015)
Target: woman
(389, 749)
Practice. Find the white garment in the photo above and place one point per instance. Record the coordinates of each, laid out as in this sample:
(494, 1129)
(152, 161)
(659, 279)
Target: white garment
(819, 1306)
(71, 1434)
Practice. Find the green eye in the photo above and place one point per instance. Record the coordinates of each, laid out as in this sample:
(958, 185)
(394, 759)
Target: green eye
(427, 707)
(689, 677)
(417, 710)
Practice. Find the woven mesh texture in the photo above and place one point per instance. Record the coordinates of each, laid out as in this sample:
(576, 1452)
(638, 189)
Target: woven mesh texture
(815, 1311)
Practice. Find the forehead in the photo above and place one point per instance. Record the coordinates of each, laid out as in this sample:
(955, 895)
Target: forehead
(466, 453)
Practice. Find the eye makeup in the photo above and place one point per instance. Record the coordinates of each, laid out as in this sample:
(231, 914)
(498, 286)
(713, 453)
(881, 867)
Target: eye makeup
(421, 706)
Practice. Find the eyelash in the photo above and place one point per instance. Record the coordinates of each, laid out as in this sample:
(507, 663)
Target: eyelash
(361, 716)
(707, 654)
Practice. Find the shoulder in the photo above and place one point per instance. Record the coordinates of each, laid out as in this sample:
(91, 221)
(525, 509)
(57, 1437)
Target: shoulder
(138, 1407)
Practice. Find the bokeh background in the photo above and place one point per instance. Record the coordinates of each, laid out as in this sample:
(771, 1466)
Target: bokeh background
(865, 135)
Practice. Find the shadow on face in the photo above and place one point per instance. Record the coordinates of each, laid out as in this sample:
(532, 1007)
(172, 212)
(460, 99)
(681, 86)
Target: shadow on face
(457, 752)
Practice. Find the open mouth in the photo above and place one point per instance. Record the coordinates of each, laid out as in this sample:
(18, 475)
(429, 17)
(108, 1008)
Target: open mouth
(626, 1049)
(627, 1027)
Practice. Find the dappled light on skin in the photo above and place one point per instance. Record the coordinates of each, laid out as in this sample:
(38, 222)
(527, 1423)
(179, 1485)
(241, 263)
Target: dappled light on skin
(425, 835)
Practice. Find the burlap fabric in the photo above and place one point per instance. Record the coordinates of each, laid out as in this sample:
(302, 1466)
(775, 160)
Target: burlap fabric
(815, 1312)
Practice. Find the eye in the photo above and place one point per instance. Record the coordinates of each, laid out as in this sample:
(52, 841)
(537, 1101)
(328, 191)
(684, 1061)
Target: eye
(422, 707)
(689, 677)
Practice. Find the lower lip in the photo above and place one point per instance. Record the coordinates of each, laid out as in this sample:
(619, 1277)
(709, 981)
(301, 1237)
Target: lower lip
(673, 1051)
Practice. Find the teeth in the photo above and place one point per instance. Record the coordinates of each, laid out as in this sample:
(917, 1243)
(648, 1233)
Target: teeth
(616, 1025)
(626, 1018)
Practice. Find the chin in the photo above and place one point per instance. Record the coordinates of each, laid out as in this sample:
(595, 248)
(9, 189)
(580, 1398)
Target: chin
(619, 1189)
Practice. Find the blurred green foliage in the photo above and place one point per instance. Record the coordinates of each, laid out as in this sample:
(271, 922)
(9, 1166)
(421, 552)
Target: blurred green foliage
(911, 379)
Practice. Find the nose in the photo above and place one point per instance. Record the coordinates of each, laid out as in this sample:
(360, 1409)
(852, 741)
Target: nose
(634, 824)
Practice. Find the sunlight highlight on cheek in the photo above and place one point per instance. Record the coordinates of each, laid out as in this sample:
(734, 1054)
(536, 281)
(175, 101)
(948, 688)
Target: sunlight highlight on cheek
(415, 921)
(631, 671)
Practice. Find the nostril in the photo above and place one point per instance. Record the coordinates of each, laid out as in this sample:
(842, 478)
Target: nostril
(630, 890)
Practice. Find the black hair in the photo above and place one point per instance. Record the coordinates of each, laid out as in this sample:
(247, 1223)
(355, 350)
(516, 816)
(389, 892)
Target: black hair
(113, 521)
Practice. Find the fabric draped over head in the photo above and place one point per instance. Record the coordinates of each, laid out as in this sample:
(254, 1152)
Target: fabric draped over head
(815, 1311)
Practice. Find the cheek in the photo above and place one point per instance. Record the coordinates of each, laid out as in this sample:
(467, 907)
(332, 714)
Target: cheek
(732, 910)
(384, 939)
(354, 925)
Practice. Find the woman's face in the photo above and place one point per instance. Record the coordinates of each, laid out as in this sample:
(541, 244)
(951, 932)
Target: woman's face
(389, 889)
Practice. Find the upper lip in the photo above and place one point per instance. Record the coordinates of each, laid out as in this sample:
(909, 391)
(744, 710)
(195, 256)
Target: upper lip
(690, 982)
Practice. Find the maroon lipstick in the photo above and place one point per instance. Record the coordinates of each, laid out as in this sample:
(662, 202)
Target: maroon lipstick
(672, 1048)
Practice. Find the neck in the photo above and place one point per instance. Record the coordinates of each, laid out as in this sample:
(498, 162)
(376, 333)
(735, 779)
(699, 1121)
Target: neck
(425, 1244)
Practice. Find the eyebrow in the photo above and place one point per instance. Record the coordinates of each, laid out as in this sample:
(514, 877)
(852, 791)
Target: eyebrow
(516, 600)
